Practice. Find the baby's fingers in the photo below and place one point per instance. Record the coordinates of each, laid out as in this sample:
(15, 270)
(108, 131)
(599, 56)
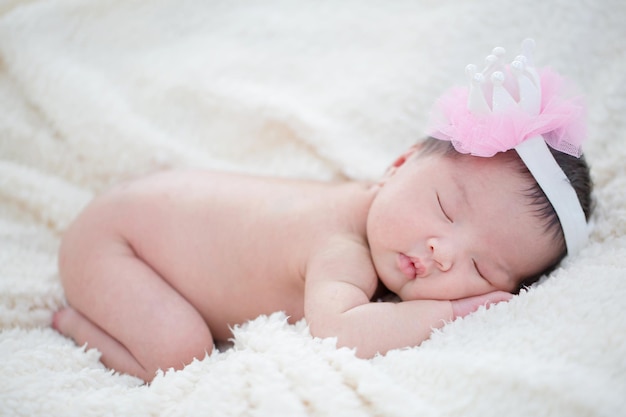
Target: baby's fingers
(464, 306)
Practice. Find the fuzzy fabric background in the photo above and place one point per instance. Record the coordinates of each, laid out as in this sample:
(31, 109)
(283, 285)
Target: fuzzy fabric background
(95, 92)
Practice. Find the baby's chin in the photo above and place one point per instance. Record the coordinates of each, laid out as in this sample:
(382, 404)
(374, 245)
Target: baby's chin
(406, 293)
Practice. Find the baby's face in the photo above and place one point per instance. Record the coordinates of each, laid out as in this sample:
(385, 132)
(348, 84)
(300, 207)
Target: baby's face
(445, 229)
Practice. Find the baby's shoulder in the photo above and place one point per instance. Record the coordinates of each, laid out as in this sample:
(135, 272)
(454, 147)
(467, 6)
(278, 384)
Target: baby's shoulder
(346, 252)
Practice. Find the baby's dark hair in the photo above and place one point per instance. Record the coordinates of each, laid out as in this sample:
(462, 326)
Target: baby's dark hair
(577, 172)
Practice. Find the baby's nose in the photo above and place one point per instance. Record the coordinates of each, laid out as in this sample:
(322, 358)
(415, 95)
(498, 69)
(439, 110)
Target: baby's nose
(442, 255)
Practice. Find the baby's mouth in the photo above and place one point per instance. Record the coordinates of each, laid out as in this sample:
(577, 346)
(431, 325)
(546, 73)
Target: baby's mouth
(411, 267)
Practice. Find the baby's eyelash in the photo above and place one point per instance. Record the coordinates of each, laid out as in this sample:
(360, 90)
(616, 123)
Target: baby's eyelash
(478, 270)
(442, 209)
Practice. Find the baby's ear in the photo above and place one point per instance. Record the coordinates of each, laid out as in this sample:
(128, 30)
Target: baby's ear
(401, 160)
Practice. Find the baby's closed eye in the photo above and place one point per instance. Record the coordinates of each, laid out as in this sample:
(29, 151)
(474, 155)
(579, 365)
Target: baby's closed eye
(443, 210)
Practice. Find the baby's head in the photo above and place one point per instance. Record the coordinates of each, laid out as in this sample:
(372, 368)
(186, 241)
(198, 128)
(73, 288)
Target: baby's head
(447, 225)
(530, 116)
(575, 169)
(495, 198)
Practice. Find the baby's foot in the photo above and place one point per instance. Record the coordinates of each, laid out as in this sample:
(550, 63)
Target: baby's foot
(71, 323)
(66, 319)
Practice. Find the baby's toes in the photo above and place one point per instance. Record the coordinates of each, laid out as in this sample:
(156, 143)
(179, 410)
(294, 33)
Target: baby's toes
(62, 320)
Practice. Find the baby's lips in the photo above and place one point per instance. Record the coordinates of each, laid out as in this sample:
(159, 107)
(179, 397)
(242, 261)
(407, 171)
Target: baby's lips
(420, 269)
(406, 266)
(411, 266)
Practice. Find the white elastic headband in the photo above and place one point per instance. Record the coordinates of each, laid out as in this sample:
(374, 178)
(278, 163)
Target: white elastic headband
(561, 194)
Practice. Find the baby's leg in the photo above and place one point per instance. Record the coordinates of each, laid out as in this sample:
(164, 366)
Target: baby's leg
(126, 309)
(71, 323)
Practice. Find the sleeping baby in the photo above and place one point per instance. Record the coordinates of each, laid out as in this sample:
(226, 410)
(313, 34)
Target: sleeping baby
(157, 270)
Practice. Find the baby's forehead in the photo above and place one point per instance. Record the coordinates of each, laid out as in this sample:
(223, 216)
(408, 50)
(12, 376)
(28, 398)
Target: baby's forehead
(468, 167)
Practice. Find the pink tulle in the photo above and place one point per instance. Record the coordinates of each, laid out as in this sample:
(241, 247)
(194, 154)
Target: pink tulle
(561, 121)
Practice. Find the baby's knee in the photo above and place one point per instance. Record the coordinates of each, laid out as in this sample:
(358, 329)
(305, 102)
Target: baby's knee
(182, 349)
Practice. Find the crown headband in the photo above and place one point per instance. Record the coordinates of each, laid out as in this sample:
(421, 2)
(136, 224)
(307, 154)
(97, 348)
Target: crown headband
(528, 110)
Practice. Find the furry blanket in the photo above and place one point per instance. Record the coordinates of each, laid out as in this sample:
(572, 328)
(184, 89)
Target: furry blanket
(92, 93)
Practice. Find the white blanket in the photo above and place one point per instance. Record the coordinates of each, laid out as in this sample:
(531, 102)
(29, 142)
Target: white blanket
(95, 92)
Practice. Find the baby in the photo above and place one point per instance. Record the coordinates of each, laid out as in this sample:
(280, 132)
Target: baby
(158, 269)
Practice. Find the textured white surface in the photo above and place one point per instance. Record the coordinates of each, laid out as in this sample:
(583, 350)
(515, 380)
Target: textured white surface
(95, 92)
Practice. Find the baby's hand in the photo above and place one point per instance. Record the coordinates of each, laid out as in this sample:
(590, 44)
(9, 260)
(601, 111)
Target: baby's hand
(464, 306)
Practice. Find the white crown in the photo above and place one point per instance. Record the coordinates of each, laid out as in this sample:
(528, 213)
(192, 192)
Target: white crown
(525, 92)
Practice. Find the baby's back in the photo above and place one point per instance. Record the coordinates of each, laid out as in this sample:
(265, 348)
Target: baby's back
(234, 246)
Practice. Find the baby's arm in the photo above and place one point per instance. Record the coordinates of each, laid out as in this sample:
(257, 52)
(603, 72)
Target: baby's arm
(339, 285)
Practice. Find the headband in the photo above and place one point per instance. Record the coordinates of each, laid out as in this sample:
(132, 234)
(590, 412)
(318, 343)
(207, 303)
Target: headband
(528, 111)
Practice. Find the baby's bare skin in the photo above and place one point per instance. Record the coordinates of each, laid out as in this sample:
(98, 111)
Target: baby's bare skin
(234, 247)
(156, 270)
